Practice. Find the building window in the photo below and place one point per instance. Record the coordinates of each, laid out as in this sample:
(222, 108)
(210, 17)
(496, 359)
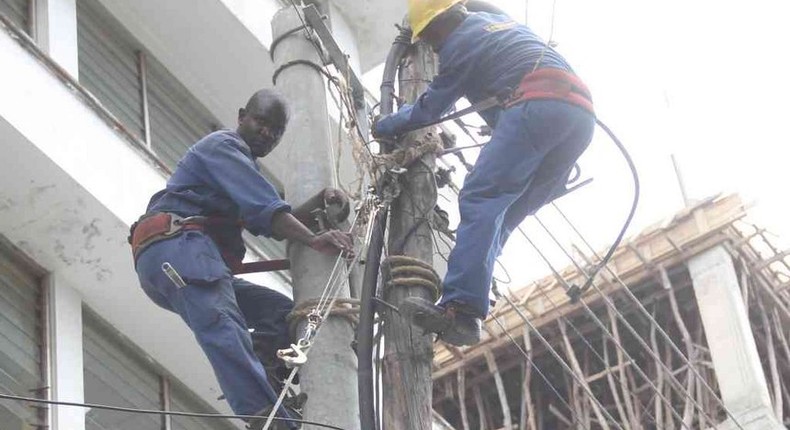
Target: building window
(23, 341)
(132, 84)
(143, 95)
(119, 374)
(18, 11)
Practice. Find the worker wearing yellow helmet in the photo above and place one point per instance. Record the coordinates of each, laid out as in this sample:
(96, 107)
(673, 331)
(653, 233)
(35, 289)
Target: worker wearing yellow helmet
(422, 12)
(538, 134)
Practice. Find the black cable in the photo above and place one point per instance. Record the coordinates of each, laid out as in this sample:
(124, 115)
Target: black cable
(424, 218)
(308, 63)
(534, 365)
(158, 412)
(287, 34)
(576, 294)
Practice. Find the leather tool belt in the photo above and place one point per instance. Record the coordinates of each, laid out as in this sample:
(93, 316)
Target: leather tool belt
(160, 226)
(553, 84)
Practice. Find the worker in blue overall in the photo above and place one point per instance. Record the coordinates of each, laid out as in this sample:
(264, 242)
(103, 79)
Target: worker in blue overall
(538, 134)
(188, 245)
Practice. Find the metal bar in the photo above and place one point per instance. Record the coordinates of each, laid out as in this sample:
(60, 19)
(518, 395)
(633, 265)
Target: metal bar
(46, 352)
(776, 258)
(264, 266)
(164, 386)
(32, 19)
(338, 57)
(681, 183)
(142, 69)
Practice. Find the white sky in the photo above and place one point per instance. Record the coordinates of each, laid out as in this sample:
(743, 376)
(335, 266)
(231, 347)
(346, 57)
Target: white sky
(708, 81)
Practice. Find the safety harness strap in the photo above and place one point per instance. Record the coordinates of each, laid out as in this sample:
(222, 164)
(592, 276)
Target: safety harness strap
(552, 84)
(160, 226)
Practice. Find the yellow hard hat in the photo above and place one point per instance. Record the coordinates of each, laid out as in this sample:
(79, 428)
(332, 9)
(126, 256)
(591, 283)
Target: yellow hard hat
(422, 12)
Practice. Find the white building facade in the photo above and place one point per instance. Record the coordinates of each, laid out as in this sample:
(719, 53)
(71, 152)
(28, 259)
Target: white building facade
(98, 101)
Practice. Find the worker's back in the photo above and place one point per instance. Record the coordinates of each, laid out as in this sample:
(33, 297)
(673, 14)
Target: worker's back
(492, 53)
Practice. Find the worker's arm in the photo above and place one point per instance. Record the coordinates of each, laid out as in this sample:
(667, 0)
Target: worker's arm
(440, 96)
(229, 167)
(285, 225)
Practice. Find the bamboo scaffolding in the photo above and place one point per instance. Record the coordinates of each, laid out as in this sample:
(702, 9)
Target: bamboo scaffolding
(653, 267)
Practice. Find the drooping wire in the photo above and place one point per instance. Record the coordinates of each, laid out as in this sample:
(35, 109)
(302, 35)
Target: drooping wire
(652, 320)
(611, 252)
(543, 376)
(583, 339)
(526, 356)
(631, 213)
(159, 412)
(605, 331)
(562, 362)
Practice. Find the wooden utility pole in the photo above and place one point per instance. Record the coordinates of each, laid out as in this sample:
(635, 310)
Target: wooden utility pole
(408, 353)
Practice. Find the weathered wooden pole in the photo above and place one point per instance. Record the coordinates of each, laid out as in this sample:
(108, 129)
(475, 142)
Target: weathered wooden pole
(408, 352)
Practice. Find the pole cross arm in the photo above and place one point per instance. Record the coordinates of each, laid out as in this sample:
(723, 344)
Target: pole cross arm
(336, 55)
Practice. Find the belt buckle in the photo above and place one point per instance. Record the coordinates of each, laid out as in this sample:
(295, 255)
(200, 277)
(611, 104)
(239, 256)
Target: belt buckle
(176, 223)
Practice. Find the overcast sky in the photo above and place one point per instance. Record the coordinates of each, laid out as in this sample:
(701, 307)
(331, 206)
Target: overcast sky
(705, 80)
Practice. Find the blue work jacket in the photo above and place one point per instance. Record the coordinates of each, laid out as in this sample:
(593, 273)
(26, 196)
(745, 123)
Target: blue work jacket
(486, 55)
(218, 177)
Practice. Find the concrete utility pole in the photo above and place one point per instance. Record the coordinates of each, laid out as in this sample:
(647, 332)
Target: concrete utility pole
(408, 352)
(329, 377)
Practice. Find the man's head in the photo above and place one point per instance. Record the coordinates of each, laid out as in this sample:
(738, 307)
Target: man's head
(432, 21)
(262, 122)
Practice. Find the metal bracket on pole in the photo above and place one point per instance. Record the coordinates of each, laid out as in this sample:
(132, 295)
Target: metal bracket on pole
(336, 55)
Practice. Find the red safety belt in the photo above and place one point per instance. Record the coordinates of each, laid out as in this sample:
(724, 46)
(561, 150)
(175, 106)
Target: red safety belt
(552, 84)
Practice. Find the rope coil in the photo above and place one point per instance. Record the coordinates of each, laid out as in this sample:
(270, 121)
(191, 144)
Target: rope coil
(343, 307)
(404, 157)
(405, 271)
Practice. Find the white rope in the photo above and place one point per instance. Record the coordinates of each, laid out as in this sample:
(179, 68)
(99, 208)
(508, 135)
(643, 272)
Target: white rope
(329, 295)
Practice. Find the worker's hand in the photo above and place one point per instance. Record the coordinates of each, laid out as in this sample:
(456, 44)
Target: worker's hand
(333, 242)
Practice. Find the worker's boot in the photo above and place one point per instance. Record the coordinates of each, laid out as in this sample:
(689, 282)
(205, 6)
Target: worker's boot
(453, 322)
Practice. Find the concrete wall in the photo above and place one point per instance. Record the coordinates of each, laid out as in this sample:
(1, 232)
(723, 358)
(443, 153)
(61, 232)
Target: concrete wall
(69, 188)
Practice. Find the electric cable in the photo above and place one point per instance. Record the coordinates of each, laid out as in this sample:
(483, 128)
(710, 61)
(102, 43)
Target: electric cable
(563, 364)
(631, 213)
(566, 320)
(159, 412)
(324, 307)
(526, 356)
(622, 233)
(276, 42)
(652, 320)
(543, 376)
(611, 252)
(678, 387)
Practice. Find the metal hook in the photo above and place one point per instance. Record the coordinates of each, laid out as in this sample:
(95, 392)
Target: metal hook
(293, 356)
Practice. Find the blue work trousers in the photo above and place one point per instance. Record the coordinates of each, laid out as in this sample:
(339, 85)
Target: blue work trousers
(526, 164)
(219, 309)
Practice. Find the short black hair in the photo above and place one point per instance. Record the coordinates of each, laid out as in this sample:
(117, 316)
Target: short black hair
(269, 103)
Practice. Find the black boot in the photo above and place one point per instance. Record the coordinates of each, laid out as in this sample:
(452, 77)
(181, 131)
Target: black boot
(452, 322)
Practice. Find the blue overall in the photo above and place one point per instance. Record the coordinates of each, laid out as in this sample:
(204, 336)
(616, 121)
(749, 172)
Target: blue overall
(218, 177)
(526, 163)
